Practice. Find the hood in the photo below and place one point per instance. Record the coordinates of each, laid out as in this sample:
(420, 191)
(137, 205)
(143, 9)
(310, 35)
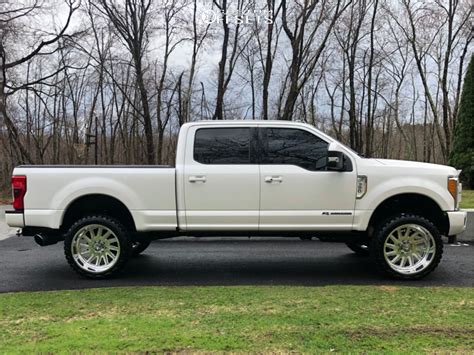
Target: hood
(418, 165)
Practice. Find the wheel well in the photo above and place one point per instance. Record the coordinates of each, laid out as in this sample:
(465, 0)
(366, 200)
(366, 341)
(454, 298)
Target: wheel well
(97, 204)
(411, 203)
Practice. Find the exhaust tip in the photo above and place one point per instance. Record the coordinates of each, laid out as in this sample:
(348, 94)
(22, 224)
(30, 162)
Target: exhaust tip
(44, 240)
(40, 240)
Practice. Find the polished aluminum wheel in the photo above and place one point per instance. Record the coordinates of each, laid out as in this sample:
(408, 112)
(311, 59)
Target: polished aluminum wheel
(409, 248)
(95, 248)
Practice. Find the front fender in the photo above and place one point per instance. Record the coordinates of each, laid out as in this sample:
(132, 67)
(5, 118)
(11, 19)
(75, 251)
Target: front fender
(380, 191)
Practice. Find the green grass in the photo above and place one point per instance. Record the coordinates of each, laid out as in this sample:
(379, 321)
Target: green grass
(241, 319)
(467, 200)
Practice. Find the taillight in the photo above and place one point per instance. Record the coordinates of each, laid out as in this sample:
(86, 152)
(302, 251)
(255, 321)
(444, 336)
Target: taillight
(19, 191)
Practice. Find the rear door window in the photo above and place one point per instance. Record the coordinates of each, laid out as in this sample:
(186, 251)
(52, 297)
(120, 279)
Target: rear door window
(222, 145)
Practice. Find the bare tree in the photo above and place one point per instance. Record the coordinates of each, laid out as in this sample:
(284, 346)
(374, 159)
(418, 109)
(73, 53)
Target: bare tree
(132, 22)
(369, 129)
(198, 38)
(302, 33)
(268, 50)
(349, 37)
(419, 17)
(228, 62)
(8, 65)
(170, 10)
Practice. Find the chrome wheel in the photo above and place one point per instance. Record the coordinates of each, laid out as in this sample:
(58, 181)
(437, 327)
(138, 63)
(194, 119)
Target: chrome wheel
(95, 248)
(409, 249)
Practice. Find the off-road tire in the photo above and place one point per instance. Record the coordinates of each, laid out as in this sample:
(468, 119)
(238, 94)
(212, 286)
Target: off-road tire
(119, 231)
(382, 232)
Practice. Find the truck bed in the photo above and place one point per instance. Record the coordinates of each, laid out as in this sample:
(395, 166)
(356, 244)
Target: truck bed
(147, 191)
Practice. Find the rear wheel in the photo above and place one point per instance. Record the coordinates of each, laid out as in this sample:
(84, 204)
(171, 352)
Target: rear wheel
(139, 247)
(407, 247)
(97, 246)
(361, 249)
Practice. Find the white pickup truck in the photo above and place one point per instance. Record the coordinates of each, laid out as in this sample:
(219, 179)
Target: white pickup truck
(258, 178)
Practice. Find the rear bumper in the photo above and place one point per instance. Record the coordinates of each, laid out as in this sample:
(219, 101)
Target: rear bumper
(15, 219)
(457, 222)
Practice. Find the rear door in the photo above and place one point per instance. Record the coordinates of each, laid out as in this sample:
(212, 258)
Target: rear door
(297, 191)
(221, 179)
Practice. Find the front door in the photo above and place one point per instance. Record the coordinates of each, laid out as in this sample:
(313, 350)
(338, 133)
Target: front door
(221, 179)
(297, 192)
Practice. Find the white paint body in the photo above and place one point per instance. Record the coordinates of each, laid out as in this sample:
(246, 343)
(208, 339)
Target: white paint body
(236, 197)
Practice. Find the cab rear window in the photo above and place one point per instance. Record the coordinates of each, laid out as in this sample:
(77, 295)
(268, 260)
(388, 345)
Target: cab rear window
(222, 146)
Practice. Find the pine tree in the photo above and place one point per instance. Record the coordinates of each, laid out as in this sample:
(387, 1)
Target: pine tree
(462, 155)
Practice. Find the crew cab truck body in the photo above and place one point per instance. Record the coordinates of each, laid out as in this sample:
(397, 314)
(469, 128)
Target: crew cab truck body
(244, 178)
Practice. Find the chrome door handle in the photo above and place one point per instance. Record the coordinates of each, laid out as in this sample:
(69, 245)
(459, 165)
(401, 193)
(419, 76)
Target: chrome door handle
(197, 179)
(270, 179)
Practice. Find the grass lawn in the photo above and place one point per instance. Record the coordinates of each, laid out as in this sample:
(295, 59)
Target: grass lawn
(258, 319)
(467, 199)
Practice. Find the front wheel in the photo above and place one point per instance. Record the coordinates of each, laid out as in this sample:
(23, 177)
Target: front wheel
(407, 247)
(97, 246)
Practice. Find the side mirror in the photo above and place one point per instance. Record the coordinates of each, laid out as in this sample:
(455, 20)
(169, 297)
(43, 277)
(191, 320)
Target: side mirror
(335, 160)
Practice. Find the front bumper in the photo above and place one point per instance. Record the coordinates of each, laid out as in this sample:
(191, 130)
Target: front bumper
(457, 222)
(15, 218)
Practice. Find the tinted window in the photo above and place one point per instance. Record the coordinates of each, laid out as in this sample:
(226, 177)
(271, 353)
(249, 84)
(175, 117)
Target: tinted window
(295, 147)
(222, 146)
